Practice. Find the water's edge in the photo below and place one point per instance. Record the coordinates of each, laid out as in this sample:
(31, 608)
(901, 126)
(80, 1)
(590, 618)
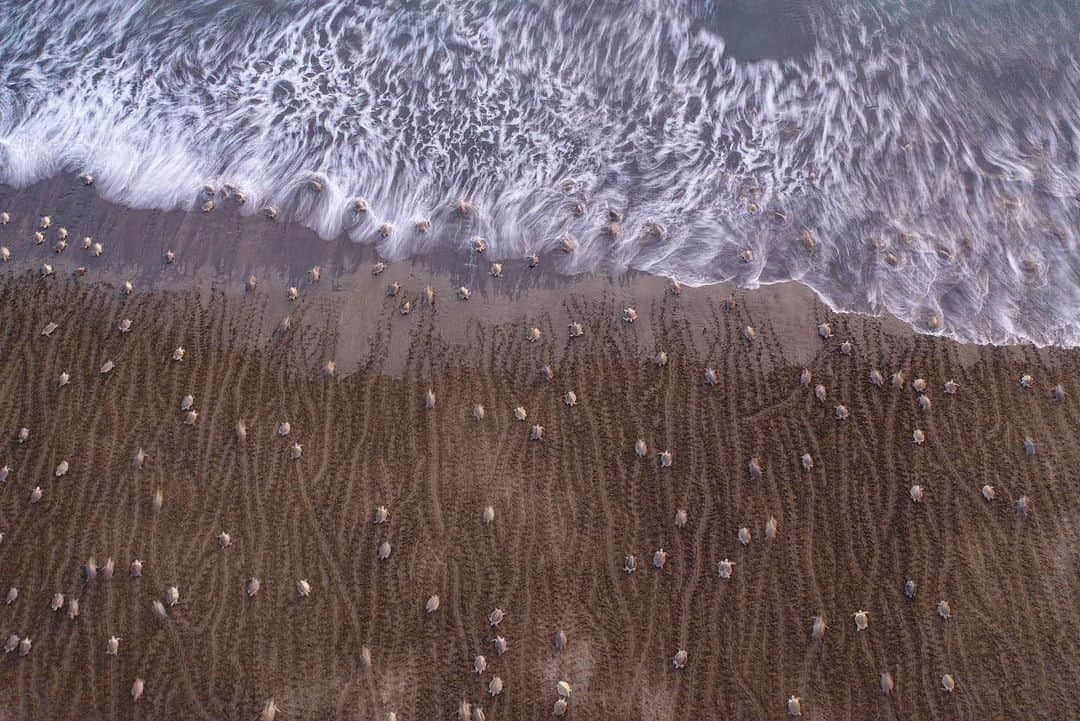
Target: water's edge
(221, 248)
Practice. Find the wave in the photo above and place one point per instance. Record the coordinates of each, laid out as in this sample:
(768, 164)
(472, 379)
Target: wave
(909, 157)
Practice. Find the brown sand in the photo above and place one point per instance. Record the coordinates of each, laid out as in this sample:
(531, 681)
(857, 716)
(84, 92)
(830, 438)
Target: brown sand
(567, 508)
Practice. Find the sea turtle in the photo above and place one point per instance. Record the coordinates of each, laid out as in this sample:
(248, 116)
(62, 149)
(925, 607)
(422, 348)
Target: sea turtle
(659, 558)
(943, 609)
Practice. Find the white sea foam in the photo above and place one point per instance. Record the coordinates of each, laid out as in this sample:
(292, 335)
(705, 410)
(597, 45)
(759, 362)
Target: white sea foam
(930, 152)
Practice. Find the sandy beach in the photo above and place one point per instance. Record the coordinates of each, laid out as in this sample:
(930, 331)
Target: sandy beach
(568, 508)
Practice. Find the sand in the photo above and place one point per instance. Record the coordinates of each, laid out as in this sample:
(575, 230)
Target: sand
(568, 508)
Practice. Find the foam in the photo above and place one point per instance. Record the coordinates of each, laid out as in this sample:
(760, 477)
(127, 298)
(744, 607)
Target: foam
(919, 131)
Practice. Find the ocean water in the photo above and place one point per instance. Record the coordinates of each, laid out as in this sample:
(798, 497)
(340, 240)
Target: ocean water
(916, 157)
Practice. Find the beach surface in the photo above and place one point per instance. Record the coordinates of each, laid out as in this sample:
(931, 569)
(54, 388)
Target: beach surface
(567, 508)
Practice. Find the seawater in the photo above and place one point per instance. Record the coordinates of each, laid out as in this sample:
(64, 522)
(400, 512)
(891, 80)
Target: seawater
(921, 158)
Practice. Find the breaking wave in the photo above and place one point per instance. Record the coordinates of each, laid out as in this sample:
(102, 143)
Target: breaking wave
(910, 157)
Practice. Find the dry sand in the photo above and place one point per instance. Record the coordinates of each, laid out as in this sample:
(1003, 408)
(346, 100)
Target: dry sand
(568, 508)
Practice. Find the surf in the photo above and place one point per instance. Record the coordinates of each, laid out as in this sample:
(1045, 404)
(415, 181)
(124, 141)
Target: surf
(909, 158)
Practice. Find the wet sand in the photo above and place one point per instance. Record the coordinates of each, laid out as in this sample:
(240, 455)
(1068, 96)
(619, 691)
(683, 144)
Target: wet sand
(568, 507)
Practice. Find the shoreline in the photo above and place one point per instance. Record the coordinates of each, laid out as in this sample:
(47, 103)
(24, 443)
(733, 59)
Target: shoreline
(283, 252)
(219, 250)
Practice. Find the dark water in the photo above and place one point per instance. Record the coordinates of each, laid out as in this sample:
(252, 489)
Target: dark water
(916, 157)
